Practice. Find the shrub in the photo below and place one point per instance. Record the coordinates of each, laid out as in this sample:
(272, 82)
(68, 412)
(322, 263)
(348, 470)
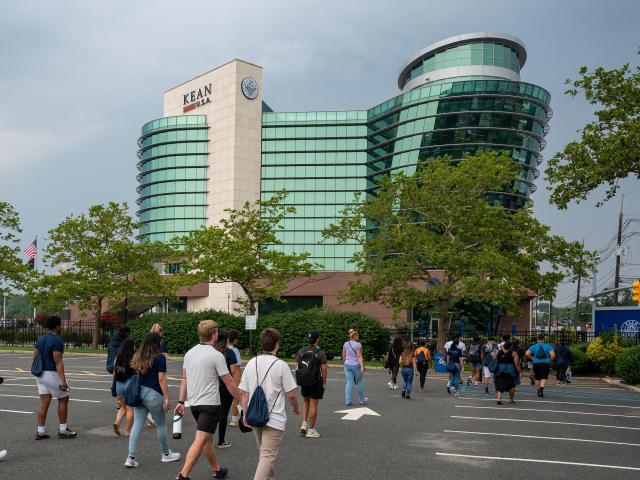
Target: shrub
(603, 352)
(581, 364)
(628, 365)
(180, 330)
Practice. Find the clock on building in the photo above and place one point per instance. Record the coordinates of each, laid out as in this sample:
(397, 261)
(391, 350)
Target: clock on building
(249, 87)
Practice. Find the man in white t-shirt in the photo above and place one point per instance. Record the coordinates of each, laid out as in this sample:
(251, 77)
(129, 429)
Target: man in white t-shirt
(202, 366)
(276, 380)
(447, 346)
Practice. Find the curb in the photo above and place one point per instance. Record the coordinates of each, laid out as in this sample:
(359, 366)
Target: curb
(620, 384)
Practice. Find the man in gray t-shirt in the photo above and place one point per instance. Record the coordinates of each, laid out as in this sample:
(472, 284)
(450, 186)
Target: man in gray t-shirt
(202, 366)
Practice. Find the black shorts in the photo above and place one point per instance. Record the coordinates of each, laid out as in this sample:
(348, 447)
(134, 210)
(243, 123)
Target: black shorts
(315, 392)
(207, 417)
(541, 371)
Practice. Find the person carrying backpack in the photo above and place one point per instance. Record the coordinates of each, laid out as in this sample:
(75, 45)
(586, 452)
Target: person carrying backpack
(473, 357)
(311, 375)
(542, 355)
(393, 362)
(423, 358)
(488, 353)
(563, 360)
(265, 382)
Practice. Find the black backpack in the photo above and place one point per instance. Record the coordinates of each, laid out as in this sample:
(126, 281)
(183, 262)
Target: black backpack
(308, 371)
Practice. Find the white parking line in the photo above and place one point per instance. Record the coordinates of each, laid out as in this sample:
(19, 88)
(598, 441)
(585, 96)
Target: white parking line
(533, 460)
(14, 411)
(544, 421)
(555, 401)
(34, 396)
(549, 411)
(565, 439)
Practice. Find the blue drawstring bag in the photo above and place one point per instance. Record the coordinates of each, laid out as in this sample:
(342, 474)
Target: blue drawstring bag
(258, 409)
(133, 392)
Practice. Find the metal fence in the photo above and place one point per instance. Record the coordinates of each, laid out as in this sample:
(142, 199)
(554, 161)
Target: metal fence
(74, 335)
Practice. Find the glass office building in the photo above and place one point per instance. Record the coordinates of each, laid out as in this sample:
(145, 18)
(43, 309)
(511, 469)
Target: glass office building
(219, 144)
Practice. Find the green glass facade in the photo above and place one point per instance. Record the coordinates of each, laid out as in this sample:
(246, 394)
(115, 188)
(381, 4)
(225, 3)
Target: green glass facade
(172, 191)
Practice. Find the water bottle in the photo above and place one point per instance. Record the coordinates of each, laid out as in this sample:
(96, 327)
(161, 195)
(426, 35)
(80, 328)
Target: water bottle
(177, 427)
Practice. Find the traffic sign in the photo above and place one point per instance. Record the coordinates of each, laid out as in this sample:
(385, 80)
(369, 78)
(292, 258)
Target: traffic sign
(250, 322)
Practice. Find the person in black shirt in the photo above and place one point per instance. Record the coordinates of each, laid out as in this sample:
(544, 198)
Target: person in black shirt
(122, 373)
(563, 361)
(226, 399)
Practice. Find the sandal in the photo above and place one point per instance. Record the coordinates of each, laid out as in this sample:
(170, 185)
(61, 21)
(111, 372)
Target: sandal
(116, 428)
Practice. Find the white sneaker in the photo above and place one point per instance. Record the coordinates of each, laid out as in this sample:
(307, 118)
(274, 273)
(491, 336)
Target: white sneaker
(233, 423)
(395, 386)
(3, 453)
(303, 428)
(390, 385)
(131, 463)
(312, 433)
(170, 457)
(224, 444)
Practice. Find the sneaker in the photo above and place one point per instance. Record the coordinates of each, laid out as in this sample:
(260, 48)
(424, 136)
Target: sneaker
(3, 453)
(220, 474)
(131, 462)
(180, 477)
(233, 423)
(67, 434)
(486, 390)
(395, 386)
(390, 385)
(224, 444)
(364, 401)
(303, 428)
(408, 397)
(403, 394)
(41, 436)
(312, 433)
(348, 403)
(448, 389)
(170, 457)
(540, 394)
(533, 382)
(475, 384)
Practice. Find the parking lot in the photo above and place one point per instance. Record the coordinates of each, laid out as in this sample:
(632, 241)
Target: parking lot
(588, 429)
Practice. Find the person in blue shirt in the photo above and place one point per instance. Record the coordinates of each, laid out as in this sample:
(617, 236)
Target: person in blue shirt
(455, 366)
(53, 382)
(542, 355)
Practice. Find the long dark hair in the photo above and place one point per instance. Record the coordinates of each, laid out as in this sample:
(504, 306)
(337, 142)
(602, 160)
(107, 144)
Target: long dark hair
(396, 346)
(221, 342)
(147, 351)
(125, 354)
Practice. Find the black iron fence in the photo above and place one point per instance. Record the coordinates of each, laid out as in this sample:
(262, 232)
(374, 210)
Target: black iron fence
(74, 335)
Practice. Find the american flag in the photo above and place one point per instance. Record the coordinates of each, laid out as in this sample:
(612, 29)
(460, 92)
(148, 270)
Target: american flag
(32, 249)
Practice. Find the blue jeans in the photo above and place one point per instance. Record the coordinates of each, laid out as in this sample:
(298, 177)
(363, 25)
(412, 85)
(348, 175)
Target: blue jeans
(151, 403)
(407, 376)
(352, 372)
(455, 376)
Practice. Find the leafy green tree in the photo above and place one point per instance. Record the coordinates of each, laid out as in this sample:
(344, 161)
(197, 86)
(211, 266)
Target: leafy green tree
(100, 264)
(241, 249)
(609, 148)
(13, 272)
(437, 238)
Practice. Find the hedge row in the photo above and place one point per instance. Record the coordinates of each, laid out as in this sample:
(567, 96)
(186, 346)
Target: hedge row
(180, 330)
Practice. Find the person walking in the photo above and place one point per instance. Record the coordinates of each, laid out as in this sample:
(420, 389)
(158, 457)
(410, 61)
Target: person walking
(447, 346)
(408, 367)
(423, 359)
(542, 355)
(393, 361)
(489, 351)
(157, 328)
(52, 383)
(455, 365)
(151, 367)
(473, 357)
(114, 346)
(234, 336)
(203, 368)
(563, 360)
(122, 373)
(354, 368)
(226, 398)
(507, 375)
(311, 375)
(532, 378)
(276, 380)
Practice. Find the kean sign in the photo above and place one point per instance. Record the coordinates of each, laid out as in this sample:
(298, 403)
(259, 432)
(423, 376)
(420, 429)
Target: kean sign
(196, 98)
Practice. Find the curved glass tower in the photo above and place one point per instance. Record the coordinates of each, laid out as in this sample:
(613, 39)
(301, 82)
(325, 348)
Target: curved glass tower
(172, 181)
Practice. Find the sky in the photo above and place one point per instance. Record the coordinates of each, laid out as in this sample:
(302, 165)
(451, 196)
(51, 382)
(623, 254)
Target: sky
(79, 79)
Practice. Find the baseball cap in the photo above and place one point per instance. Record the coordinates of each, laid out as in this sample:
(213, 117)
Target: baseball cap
(313, 336)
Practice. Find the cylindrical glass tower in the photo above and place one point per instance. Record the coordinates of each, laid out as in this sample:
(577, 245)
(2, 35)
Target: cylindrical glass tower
(172, 191)
(461, 95)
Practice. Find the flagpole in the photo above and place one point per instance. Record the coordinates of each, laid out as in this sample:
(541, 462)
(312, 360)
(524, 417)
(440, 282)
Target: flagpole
(35, 269)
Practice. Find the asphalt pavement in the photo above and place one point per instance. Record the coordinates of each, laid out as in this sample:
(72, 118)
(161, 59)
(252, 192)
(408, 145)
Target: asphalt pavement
(589, 430)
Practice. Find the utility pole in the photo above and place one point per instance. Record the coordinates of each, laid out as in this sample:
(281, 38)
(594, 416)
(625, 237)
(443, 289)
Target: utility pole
(618, 253)
(578, 295)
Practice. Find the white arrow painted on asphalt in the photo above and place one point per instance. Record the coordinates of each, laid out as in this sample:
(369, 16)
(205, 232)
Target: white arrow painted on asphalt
(357, 413)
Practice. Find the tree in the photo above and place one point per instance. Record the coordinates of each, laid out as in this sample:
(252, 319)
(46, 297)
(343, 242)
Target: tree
(241, 250)
(609, 147)
(13, 272)
(436, 237)
(102, 264)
